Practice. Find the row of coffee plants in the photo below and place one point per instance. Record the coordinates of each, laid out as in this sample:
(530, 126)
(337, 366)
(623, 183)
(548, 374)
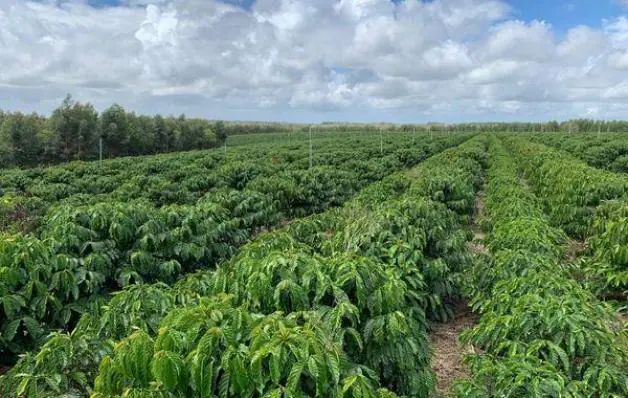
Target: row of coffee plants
(589, 204)
(540, 333)
(184, 178)
(605, 151)
(570, 190)
(332, 305)
(84, 252)
(368, 282)
(606, 266)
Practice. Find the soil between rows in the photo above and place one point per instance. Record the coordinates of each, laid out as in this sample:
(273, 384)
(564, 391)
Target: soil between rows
(447, 351)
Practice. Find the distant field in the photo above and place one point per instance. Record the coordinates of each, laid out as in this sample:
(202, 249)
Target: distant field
(334, 265)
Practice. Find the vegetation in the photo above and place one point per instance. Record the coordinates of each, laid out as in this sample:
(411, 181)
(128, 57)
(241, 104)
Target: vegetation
(74, 132)
(280, 267)
(605, 151)
(570, 190)
(540, 333)
(372, 289)
(588, 203)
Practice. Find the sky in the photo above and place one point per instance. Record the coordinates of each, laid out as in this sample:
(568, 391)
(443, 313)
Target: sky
(404, 61)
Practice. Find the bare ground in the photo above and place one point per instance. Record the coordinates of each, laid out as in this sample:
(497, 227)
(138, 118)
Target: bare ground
(477, 244)
(623, 319)
(448, 352)
(573, 249)
(480, 209)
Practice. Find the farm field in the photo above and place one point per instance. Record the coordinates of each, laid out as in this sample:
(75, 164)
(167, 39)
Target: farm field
(283, 267)
(605, 150)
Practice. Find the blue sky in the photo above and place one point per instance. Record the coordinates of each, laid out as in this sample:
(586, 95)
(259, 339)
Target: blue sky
(561, 13)
(308, 61)
(565, 14)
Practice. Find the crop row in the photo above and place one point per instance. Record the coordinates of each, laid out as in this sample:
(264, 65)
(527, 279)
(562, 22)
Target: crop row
(570, 190)
(184, 178)
(332, 305)
(606, 151)
(587, 203)
(540, 333)
(83, 252)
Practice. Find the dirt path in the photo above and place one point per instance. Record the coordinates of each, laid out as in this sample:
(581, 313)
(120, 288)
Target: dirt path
(477, 244)
(574, 249)
(448, 353)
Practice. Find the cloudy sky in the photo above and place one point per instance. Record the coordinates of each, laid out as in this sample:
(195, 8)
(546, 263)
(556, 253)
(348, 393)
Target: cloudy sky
(320, 60)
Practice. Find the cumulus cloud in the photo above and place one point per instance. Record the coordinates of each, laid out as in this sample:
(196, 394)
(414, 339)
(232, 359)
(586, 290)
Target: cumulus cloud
(276, 58)
(520, 41)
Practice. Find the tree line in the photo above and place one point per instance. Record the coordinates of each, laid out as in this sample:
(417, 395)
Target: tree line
(567, 126)
(75, 131)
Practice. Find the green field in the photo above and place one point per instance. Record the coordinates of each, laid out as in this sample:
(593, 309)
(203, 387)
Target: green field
(287, 266)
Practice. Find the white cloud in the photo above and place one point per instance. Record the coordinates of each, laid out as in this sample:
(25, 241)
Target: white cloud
(441, 59)
(519, 41)
(503, 70)
(159, 28)
(582, 43)
(618, 59)
(617, 31)
(619, 91)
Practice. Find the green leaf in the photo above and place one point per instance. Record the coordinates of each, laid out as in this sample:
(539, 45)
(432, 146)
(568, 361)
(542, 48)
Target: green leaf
(53, 381)
(168, 368)
(202, 371)
(10, 329)
(21, 388)
(295, 376)
(312, 367)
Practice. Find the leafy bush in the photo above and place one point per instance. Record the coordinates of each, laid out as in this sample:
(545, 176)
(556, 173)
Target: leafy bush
(540, 333)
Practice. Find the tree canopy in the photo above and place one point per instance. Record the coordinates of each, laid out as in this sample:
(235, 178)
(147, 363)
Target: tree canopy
(73, 132)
